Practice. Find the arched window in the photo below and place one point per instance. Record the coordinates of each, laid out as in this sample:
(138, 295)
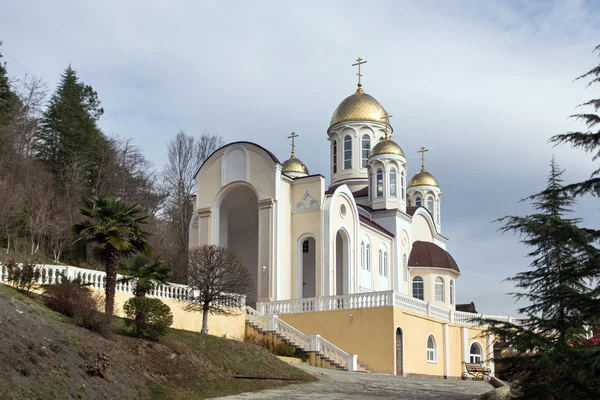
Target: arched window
(405, 264)
(334, 156)
(431, 349)
(439, 289)
(437, 214)
(348, 152)
(451, 292)
(430, 204)
(418, 201)
(385, 264)
(379, 182)
(475, 354)
(365, 149)
(417, 286)
(362, 255)
(370, 190)
(380, 263)
(402, 184)
(393, 192)
(368, 260)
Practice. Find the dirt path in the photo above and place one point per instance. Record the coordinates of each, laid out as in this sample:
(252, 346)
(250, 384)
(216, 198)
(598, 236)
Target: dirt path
(338, 385)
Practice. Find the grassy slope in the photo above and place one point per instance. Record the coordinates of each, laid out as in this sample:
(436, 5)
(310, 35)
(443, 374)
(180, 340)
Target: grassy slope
(44, 355)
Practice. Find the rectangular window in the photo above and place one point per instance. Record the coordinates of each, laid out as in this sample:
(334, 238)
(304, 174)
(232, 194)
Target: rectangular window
(305, 246)
(334, 150)
(347, 152)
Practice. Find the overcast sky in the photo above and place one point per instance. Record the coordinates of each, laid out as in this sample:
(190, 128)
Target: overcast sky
(482, 84)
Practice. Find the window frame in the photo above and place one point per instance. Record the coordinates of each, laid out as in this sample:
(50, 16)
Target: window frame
(380, 262)
(431, 353)
(451, 292)
(402, 183)
(418, 201)
(385, 264)
(430, 202)
(364, 156)
(334, 150)
(379, 189)
(368, 256)
(439, 282)
(305, 246)
(405, 267)
(422, 282)
(362, 255)
(393, 183)
(347, 152)
(473, 356)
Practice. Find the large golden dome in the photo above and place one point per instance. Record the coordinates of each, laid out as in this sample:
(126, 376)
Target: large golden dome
(387, 146)
(359, 106)
(423, 178)
(294, 165)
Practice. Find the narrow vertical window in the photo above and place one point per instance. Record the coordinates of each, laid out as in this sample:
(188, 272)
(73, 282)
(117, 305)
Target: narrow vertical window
(348, 152)
(405, 264)
(430, 204)
(418, 201)
(385, 264)
(362, 255)
(334, 156)
(417, 288)
(379, 182)
(365, 150)
(305, 246)
(438, 211)
(368, 260)
(393, 190)
(431, 349)
(451, 292)
(380, 263)
(402, 183)
(439, 289)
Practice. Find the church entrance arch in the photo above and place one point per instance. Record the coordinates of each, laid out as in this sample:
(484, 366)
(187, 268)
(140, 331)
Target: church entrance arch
(342, 261)
(399, 352)
(238, 230)
(306, 267)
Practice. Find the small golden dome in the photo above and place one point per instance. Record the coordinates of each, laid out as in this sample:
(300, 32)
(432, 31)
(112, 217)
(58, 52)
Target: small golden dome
(359, 106)
(423, 178)
(294, 165)
(387, 146)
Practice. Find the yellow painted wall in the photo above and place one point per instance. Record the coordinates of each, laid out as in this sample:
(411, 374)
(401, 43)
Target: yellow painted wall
(454, 340)
(218, 325)
(366, 332)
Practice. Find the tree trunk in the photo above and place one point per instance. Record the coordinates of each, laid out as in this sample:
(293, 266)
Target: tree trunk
(204, 321)
(112, 261)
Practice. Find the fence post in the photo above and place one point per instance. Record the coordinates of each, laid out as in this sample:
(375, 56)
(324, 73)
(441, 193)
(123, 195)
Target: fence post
(429, 309)
(314, 342)
(352, 362)
(271, 322)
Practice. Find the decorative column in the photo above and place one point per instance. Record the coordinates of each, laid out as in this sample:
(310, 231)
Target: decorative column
(204, 223)
(267, 272)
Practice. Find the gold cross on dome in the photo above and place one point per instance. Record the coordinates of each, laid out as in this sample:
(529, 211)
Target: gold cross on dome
(422, 150)
(293, 136)
(359, 62)
(386, 118)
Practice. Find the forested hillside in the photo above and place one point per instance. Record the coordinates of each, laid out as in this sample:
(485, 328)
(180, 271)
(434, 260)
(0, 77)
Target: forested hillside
(53, 155)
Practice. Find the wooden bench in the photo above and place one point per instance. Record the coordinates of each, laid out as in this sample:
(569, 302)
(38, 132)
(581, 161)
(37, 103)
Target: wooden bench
(475, 371)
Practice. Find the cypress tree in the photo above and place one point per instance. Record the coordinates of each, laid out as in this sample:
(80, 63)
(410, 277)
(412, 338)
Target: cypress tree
(69, 132)
(552, 358)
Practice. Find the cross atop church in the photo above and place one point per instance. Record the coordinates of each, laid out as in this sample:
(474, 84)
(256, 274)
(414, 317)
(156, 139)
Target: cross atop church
(359, 62)
(386, 118)
(293, 136)
(422, 150)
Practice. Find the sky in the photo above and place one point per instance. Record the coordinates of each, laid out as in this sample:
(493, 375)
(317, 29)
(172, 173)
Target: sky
(482, 84)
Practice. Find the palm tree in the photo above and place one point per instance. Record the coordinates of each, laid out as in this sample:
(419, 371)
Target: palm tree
(115, 227)
(146, 273)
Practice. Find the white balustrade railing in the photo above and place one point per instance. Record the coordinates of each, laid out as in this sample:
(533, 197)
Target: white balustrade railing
(50, 274)
(308, 343)
(375, 299)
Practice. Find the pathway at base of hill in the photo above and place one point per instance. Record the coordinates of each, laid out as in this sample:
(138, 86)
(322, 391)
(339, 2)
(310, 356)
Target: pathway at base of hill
(339, 385)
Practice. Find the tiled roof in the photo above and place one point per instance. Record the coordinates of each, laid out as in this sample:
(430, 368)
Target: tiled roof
(426, 254)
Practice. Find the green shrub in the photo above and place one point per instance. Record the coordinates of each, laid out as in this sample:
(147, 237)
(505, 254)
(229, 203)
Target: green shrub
(147, 317)
(25, 277)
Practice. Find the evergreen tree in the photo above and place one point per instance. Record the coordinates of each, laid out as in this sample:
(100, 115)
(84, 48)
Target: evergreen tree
(69, 133)
(553, 359)
(8, 98)
(588, 141)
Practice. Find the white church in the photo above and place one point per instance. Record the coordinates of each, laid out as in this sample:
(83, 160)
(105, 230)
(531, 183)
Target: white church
(375, 229)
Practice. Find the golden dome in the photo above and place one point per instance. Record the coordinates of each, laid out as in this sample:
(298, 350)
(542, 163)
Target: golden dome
(387, 146)
(423, 178)
(359, 106)
(294, 165)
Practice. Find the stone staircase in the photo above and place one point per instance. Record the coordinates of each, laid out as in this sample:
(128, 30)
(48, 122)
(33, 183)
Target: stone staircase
(322, 353)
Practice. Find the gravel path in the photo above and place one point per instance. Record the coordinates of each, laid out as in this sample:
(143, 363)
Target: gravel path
(338, 385)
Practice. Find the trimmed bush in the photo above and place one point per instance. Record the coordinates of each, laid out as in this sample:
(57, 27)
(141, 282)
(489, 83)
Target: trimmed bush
(25, 277)
(147, 317)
